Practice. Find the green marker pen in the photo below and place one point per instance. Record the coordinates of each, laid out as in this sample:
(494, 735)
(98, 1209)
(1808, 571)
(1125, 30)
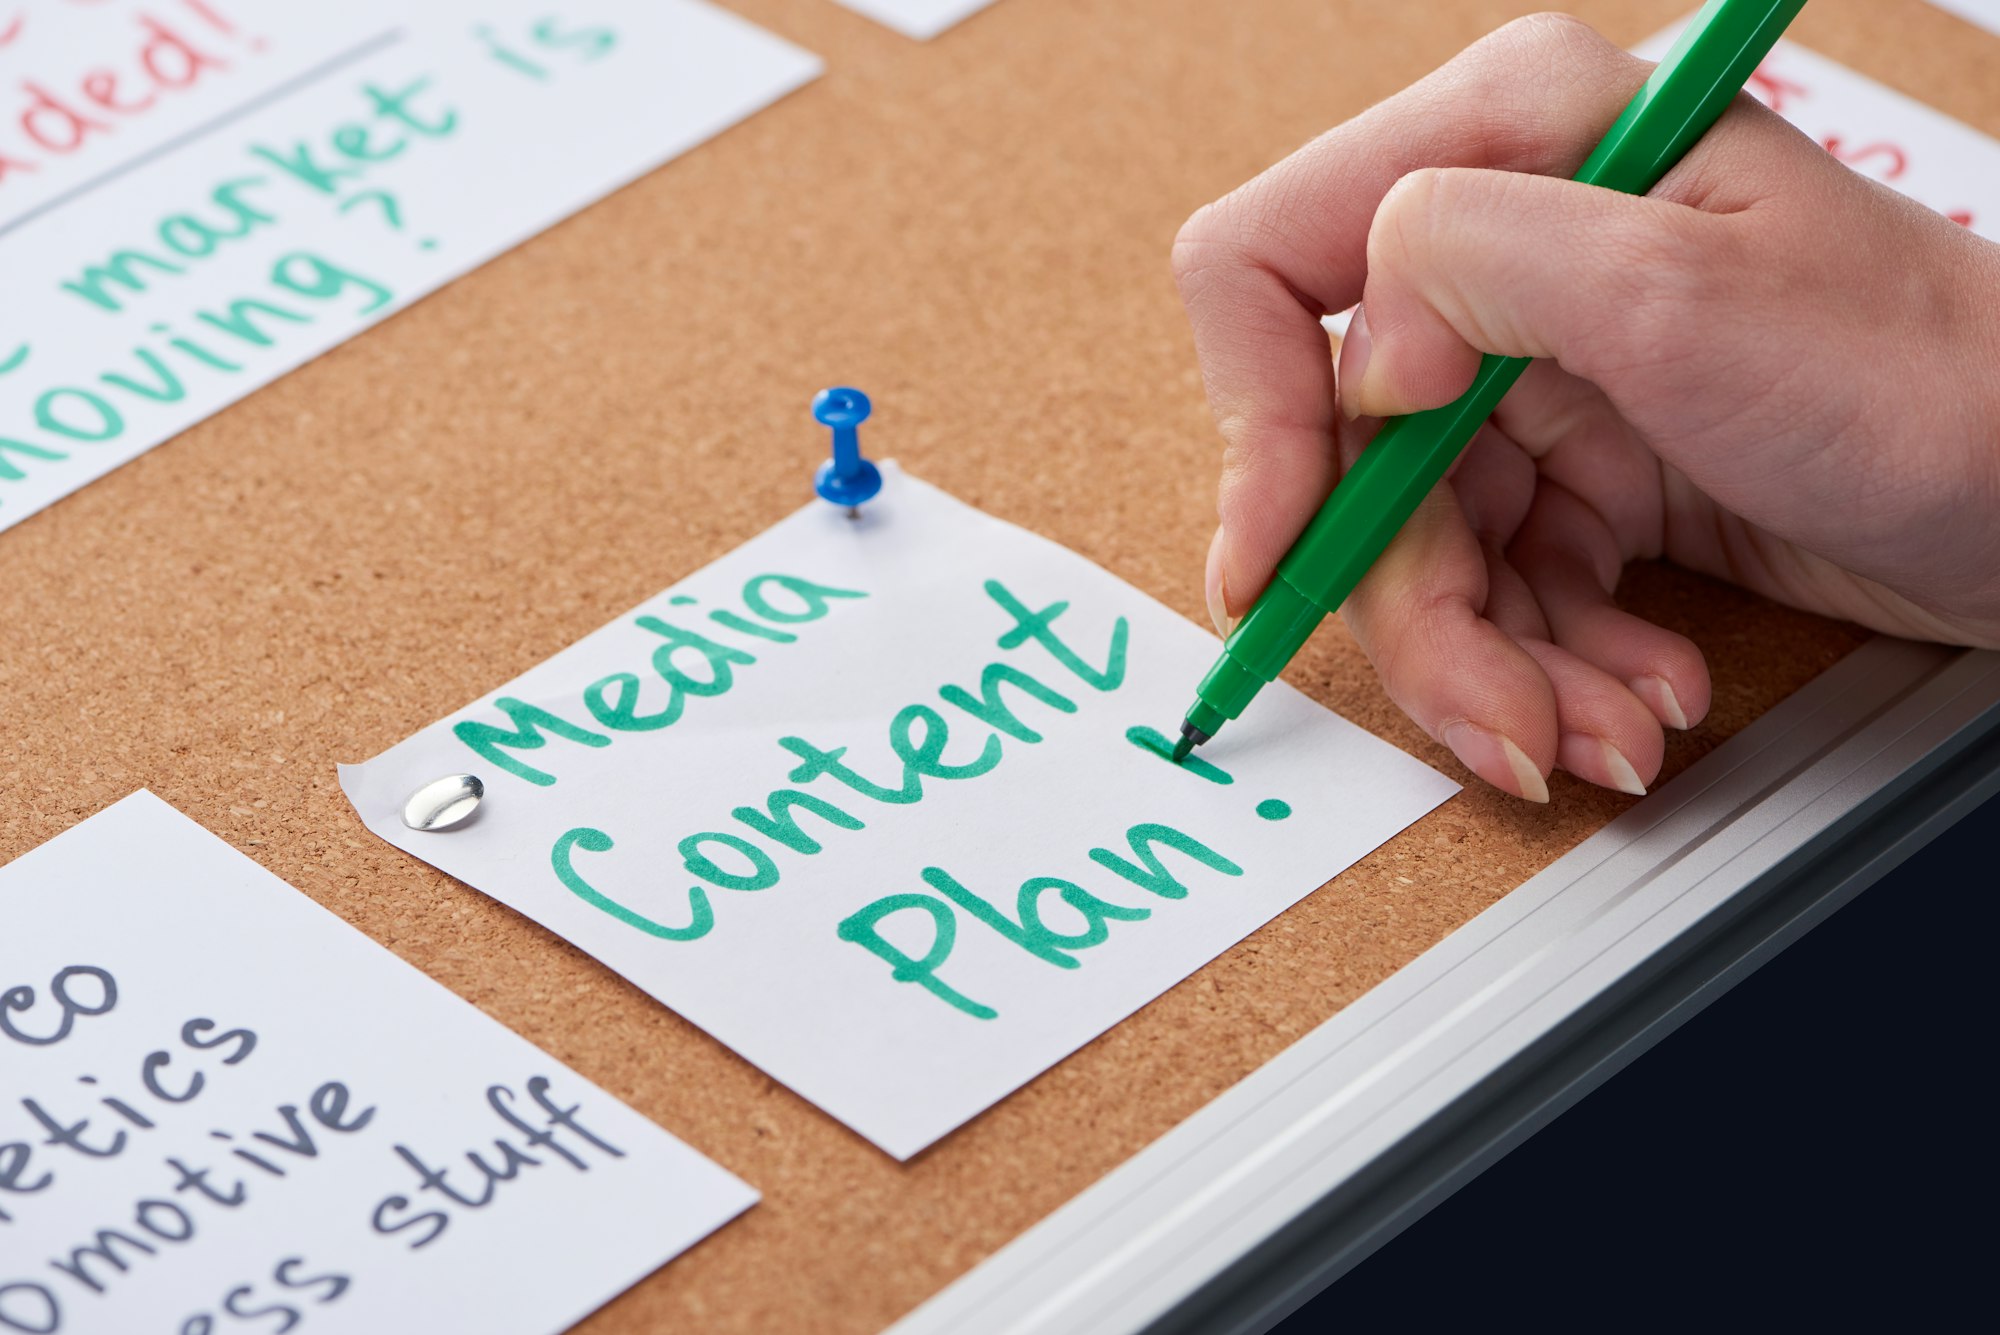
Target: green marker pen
(1721, 47)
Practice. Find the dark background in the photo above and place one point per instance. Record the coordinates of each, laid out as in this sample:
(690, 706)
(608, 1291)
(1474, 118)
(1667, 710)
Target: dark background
(1815, 1147)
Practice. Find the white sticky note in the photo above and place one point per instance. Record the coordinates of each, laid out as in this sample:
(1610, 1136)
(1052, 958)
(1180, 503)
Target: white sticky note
(286, 175)
(1985, 13)
(1941, 163)
(921, 19)
(222, 1109)
(886, 741)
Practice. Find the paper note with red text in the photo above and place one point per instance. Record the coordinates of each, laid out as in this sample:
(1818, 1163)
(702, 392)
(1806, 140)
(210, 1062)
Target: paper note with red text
(1917, 150)
(197, 196)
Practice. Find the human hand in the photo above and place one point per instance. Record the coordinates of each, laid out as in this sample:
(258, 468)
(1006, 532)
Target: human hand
(1770, 370)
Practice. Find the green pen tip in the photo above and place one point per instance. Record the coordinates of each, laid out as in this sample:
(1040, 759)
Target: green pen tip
(1183, 748)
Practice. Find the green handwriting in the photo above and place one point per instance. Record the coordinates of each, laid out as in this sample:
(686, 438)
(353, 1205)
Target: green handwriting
(301, 284)
(1026, 928)
(241, 207)
(1155, 741)
(597, 841)
(919, 737)
(690, 664)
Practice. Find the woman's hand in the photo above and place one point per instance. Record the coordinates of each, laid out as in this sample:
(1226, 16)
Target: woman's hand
(1770, 369)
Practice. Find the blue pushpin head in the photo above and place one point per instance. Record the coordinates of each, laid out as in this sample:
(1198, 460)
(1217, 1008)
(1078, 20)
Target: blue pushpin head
(847, 478)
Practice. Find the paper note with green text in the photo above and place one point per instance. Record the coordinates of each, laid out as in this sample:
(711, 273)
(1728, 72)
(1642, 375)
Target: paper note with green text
(882, 804)
(197, 196)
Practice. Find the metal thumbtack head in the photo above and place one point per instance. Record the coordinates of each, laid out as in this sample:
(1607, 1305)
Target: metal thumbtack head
(847, 478)
(444, 804)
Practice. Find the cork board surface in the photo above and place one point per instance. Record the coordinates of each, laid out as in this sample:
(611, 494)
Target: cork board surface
(976, 231)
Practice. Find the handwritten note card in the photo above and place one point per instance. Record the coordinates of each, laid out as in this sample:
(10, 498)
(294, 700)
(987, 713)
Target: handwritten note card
(197, 196)
(1985, 13)
(922, 19)
(881, 804)
(1935, 160)
(223, 1110)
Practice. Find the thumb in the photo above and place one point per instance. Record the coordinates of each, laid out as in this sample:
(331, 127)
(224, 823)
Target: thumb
(1465, 261)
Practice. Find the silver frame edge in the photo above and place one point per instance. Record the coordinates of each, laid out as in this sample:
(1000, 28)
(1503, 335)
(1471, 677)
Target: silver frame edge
(1124, 1253)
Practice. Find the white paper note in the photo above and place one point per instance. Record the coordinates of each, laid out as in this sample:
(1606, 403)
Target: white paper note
(936, 704)
(1941, 163)
(197, 196)
(1985, 13)
(922, 19)
(224, 1110)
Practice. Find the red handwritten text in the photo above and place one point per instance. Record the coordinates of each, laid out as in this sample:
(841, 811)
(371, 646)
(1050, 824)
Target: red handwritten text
(172, 46)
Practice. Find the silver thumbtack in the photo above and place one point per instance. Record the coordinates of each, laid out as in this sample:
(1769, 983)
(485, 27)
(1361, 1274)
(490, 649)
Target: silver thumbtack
(444, 804)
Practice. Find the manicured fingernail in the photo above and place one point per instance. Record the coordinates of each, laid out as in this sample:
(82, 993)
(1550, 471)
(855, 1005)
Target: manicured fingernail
(1497, 760)
(1215, 585)
(1354, 349)
(1660, 698)
(1599, 762)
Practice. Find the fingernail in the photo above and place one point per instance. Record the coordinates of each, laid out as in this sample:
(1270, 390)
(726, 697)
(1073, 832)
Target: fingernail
(1497, 760)
(1354, 349)
(1660, 698)
(1215, 585)
(1598, 761)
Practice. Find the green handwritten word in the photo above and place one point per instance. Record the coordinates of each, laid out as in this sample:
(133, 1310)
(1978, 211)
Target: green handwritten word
(302, 287)
(548, 36)
(1026, 928)
(182, 237)
(351, 148)
(691, 665)
(918, 736)
(1154, 741)
(597, 841)
(240, 207)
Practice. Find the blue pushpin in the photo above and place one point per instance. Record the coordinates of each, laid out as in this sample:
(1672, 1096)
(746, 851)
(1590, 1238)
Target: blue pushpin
(847, 478)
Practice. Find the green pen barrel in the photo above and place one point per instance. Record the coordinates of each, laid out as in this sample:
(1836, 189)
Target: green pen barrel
(1408, 457)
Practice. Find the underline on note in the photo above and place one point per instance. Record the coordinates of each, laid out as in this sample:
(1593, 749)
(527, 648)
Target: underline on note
(380, 42)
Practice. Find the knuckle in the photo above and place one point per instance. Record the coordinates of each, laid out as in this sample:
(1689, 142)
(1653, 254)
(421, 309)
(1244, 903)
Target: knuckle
(1219, 240)
(1240, 432)
(1400, 235)
(1515, 75)
(1551, 37)
(1421, 239)
(1204, 227)
(1659, 284)
(1419, 629)
(1196, 243)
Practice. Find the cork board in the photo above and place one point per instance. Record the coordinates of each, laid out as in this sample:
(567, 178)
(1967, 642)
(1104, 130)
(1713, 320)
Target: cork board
(976, 231)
